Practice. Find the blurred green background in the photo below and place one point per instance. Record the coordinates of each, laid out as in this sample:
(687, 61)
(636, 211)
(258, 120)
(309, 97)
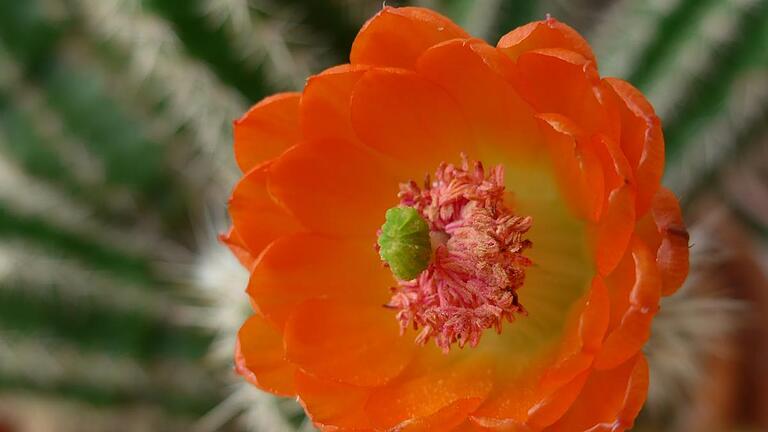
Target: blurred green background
(118, 307)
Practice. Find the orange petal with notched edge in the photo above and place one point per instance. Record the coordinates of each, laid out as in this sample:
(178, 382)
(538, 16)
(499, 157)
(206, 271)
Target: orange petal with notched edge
(326, 184)
(576, 165)
(549, 33)
(396, 37)
(634, 329)
(411, 119)
(325, 101)
(333, 405)
(256, 218)
(499, 116)
(641, 139)
(564, 82)
(609, 401)
(300, 267)
(443, 387)
(259, 357)
(267, 129)
(346, 342)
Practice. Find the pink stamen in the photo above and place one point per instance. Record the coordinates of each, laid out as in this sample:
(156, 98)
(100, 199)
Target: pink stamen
(478, 264)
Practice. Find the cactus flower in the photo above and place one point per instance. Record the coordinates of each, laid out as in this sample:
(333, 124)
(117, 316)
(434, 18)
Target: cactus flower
(449, 235)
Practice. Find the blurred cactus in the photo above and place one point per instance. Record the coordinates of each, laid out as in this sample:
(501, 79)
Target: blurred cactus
(115, 163)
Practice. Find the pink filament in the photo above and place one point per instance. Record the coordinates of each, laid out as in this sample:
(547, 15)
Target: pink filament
(472, 281)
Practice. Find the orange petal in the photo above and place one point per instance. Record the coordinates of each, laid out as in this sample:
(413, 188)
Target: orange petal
(596, 182)
(507, 407)
(634, 329)
(333, 187)
(524, 405)
(613, 232)
(397, 36)
(324, 108)
(255, 216)
(670, 239)
(410, 118)
(304, 266)
(267, 129)
(470, 425)
(611, 235)
(238, 248)
(259, 357)
(552, 407)
(332, 405)
(440, 398)
(576, 165)
(618, 172)
(619, 284)
(610, 400)
(472, 72)
(549, 33)
(584, 335)
(346, 342)
(564, 82)
(641, 139)
(448, 418)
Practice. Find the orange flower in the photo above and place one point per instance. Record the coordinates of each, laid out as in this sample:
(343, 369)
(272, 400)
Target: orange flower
(531, 278)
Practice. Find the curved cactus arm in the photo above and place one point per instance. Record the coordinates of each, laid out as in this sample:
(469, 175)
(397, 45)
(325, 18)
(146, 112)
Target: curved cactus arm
(268, 37)
(50, 366)
(717, 27)
(89, 141)
(702, 153)
(668, 39)
(178, 82)
(209, 44)
(624, 32)
(705, 100)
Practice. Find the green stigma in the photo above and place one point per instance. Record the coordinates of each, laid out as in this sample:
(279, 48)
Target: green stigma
(404, 242)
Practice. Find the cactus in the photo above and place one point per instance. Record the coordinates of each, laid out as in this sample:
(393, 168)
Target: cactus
(115, 163)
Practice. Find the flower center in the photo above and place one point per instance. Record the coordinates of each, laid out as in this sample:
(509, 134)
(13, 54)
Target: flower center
(456, 251)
